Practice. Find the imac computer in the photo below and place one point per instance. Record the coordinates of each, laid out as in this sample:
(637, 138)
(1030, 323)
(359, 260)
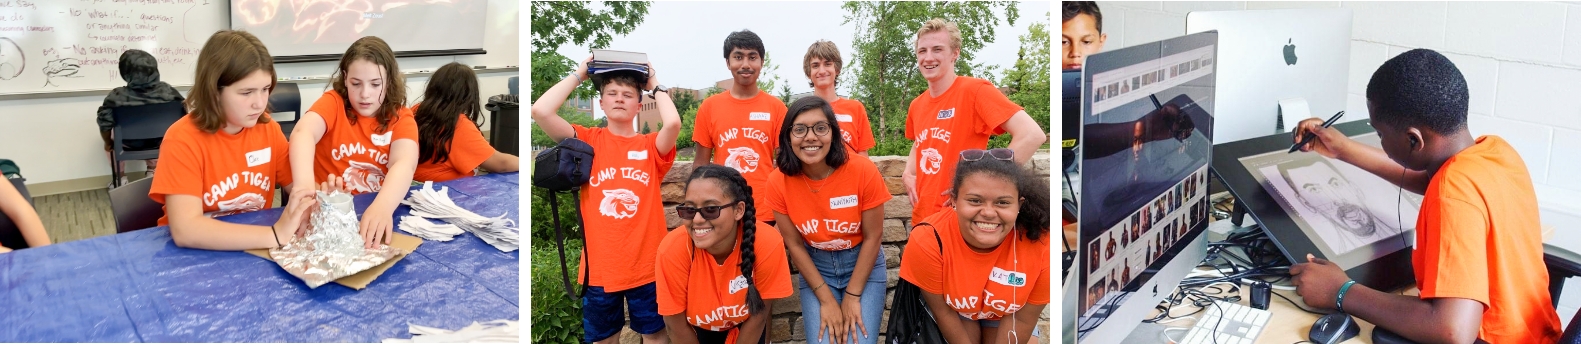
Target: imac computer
(1311, 204)
(1277, 67)
(1147, 129)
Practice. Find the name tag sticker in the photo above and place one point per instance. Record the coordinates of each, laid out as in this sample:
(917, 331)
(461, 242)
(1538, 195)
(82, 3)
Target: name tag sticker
(637, 155)
(259, 157)
(1010, 278)
(842, 202)
(843, 118)
(947, 114)
(760, 116)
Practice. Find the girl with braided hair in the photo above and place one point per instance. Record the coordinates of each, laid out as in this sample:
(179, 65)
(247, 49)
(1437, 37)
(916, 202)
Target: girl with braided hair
(996, 247)
(716, 275)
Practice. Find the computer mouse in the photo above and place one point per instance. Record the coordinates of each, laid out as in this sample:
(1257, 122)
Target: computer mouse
(1333, 328)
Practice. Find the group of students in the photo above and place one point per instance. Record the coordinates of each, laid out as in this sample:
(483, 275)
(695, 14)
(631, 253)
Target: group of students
(1478, 258)
(978, 214)
(227, 154)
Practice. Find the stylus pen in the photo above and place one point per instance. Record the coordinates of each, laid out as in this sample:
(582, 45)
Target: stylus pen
(1310, 135)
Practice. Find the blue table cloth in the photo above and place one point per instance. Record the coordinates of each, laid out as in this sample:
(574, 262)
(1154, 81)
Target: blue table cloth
(139, 287)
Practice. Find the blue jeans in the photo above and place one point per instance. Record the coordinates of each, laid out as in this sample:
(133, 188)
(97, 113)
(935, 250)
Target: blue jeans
(836, 267)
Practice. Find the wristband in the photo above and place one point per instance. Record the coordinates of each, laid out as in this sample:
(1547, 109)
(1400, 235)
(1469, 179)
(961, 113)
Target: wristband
(276, 236)
(848, 292)
(1339, 299)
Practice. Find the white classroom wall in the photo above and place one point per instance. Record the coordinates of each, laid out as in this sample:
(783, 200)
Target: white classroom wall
(56, 139)
(1521, 60)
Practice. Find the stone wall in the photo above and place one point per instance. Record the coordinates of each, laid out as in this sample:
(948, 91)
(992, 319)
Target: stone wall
(786, 326)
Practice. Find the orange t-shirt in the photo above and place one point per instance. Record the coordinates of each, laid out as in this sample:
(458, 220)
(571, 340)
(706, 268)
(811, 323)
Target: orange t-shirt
(1479, 238)
(713, 296)
(353, 150)
(230, 173)
(743, 135)
(468, 150)
(977, 285)
(622, 208)
(830, 218)
(964, 117)
(854, 127)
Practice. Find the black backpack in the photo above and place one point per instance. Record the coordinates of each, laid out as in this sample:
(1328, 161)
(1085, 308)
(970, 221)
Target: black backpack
(565, 168)
(910, 320)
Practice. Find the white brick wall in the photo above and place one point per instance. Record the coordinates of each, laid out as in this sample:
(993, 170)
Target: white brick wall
(1525, 78)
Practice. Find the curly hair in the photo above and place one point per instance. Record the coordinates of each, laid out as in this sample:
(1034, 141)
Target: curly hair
(1419, 88)
(1033, 218)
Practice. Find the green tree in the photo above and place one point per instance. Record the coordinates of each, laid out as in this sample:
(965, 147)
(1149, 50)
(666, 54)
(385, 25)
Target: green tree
(884, 73)
(555, 23)
(1029, 78)
(769, 80)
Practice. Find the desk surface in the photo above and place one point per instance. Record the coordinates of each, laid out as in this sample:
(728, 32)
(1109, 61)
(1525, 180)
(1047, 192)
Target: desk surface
(139, 287)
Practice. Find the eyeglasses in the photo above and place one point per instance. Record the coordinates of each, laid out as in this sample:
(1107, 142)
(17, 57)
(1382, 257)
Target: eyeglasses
(820, 129)
(709, 213)
(1004, 154)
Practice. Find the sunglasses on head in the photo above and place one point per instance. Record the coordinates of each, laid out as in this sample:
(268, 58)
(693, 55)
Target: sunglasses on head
(1004, 154)
(709, 213)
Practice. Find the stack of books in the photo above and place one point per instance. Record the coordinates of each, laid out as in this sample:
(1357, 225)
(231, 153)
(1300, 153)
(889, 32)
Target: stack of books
(605, 61)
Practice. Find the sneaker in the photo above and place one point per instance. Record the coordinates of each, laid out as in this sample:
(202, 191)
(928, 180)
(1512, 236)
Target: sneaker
(111, 185)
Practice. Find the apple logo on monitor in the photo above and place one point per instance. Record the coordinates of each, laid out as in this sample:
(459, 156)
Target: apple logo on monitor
(1290, 53)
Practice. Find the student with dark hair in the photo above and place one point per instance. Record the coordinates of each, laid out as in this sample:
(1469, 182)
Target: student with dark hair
(829, 206)
(361, 131)
(822, 65)
(621, 204)
(449, 143)
(956, 113)
(1479, 251)
(737, 128)
(1081, 32)
(990, 281)
(717, 276)
(141, 72)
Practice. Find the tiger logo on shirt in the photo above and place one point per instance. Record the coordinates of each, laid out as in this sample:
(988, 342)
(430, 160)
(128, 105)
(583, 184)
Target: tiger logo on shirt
(241, 204)
(742, 159)
(363, 177)
(832, 245)
(619, 204)
(931, 161)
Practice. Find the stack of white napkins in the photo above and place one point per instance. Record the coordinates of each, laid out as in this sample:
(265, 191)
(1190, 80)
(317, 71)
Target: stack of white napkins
(428, 203)
(498, 331)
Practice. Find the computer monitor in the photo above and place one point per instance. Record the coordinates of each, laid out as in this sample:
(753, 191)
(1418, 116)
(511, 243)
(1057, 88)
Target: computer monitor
(1274, 55)
(1310, 204)
(1147, 128)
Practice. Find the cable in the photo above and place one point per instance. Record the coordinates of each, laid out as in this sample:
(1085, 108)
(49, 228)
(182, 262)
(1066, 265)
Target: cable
(1282, 296)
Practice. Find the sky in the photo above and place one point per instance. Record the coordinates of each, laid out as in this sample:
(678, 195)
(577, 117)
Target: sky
(684, 40)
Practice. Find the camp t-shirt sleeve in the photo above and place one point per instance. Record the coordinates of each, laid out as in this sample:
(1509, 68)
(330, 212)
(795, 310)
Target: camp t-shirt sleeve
(774, 197)
(1040, 291)
(703, 126)
(993, 109)
(468, 149)
(911, 126)
(662, 161)
(772, 269)
(1454, 226)
(874, 192)
(404, 126)
(864, 128)
(181, 165)
(672, 273)
(281, 150)
(330, 108)
(921, 262)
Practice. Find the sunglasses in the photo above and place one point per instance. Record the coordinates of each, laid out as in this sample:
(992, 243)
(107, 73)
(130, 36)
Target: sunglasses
(709, 213)
(1004, 154)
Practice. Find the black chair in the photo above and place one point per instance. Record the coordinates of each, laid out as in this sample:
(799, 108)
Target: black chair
(133, 208)
(1572, 334)
(140, 123)
(285, 98)
(10, 234)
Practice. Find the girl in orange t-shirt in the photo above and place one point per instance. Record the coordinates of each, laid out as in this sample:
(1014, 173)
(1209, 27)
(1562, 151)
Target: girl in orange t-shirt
(834, 225)
(822, 65)
(226, 156)
(450, 144)
(993, 269)
(717, 277)
(361, 131)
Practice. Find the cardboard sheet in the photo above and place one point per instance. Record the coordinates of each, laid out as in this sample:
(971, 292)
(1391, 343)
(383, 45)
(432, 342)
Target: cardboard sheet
(406, 243)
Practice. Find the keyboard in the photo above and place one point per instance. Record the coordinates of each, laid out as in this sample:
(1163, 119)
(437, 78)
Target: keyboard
(1228, 323)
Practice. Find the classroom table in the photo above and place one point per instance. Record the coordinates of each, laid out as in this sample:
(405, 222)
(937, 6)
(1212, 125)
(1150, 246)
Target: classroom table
(139, 287)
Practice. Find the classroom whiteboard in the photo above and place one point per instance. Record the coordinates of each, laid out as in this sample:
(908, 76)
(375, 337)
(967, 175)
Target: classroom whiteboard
(69, 45)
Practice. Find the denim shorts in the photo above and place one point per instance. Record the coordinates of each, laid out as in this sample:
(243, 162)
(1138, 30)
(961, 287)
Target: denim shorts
(601, 312)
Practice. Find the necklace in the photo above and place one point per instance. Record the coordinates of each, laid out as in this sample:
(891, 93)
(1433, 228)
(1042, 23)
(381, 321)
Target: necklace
(820, 182)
